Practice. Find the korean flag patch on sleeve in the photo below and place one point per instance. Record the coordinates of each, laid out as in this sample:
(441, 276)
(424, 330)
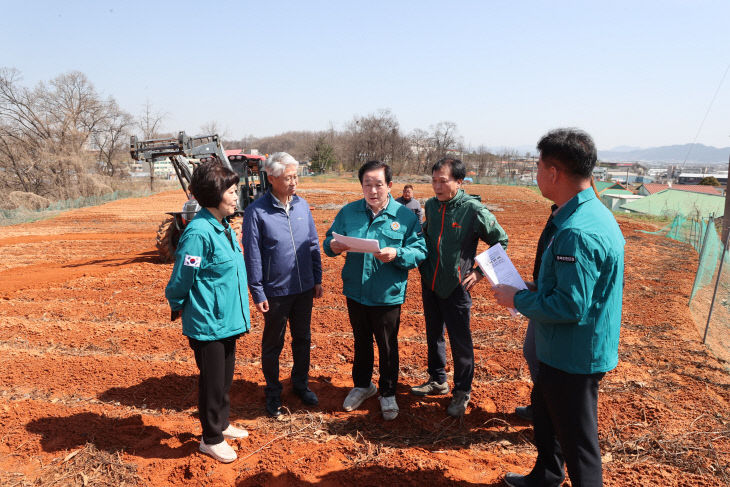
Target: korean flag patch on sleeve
(191, 261)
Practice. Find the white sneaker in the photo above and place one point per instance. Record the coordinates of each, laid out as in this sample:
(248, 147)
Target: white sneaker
(221, 452)
(235, 433)
(357, 395)
(389, 407)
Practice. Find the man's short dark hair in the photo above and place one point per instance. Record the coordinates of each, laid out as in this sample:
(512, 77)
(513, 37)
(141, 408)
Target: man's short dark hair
(572, 149)
(373, 165)
(210, 180)
(407, 186)
(458, 170)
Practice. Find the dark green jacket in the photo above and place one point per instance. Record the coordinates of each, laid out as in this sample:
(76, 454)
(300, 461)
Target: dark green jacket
(452, 231)
(577, 305)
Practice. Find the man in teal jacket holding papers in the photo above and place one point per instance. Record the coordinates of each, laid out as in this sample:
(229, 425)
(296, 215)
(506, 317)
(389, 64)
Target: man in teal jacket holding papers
(576, 309)
(375, 283)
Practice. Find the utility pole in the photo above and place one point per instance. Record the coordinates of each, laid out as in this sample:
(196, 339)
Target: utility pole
(726, 216)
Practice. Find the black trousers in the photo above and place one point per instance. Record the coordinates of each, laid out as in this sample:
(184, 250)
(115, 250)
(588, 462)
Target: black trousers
(383, 323)
(297, 309)
(452, 313)
(565, 412)
(216, 360)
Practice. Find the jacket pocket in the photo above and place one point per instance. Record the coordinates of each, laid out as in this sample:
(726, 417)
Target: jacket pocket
(218, 268)
(218, 303)
(392, 238)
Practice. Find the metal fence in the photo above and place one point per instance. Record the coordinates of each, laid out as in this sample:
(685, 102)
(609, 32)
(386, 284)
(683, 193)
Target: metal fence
(24, 215)
(709, 301)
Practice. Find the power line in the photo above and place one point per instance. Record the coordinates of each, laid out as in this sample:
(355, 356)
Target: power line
(694, 142)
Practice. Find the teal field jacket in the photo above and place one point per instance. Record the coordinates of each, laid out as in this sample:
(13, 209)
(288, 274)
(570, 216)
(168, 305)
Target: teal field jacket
(208, 282)
(577, 305)
(364, 278)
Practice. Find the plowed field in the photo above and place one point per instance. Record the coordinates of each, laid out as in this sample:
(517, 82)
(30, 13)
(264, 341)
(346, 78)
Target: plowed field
(88, 357)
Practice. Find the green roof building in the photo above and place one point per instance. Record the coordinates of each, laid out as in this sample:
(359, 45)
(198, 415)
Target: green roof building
(672, 202)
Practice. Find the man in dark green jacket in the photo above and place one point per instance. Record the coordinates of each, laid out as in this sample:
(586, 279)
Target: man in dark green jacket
(576, 308)
(455, 222)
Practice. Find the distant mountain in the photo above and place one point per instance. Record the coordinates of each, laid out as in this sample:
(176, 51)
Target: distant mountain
(672, 154)
(624, 148)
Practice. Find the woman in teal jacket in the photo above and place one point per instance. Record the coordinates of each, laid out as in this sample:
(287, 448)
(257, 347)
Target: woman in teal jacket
(208, 288)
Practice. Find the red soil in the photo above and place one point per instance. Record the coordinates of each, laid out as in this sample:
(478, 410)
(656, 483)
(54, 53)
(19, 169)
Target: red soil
(88, 355)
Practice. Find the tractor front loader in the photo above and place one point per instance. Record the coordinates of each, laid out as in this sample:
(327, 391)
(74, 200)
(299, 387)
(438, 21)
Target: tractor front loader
(185, 153)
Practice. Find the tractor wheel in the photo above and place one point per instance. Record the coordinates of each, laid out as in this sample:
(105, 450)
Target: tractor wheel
(167, 237)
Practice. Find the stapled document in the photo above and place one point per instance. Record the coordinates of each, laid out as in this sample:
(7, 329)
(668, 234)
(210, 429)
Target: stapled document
(499, 269)
(365, 245)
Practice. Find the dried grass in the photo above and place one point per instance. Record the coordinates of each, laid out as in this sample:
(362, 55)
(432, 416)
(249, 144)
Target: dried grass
(691, 451)
(29, 201)
(84, 467)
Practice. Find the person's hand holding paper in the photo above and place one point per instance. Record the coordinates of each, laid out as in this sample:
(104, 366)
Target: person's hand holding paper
(503, 275)
(354, 244)
(338, 247)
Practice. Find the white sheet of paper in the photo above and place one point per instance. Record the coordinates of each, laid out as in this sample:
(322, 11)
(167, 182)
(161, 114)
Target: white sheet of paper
(366, 245)
(499, 269)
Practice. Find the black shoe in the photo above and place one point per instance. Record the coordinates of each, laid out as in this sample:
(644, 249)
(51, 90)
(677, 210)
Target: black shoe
(515, 480)
(307, 396)
(524, 412)
(273, 407)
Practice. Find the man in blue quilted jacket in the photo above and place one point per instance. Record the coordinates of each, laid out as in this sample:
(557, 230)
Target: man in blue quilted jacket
(284, 267)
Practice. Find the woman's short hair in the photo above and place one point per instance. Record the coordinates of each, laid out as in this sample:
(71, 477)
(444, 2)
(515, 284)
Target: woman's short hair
(210, 180)
(277, 162)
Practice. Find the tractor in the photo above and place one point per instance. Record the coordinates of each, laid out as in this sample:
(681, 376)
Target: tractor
(185, 153)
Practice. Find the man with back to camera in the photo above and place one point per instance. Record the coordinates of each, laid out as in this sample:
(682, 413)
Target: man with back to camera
(455, 222)
(576, 308)
(410, 202)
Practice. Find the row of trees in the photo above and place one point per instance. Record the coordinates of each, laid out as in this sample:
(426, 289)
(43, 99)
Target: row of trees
(379, 136)
(62, 139)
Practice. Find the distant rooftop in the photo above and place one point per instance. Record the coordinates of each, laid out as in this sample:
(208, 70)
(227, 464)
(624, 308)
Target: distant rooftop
(671, 202)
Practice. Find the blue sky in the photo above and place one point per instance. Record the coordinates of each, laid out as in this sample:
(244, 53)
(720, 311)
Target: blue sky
(636, 73)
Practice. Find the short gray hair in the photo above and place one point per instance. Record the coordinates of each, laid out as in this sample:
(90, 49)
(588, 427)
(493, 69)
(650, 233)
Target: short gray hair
(277, 162)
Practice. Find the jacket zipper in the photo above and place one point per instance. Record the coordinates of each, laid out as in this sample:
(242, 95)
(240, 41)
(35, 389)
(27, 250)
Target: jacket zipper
(294, 247)
(438, 247)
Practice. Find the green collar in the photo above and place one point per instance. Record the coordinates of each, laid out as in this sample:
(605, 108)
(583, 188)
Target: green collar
(573, 204)
(390, 209)
(208, 216)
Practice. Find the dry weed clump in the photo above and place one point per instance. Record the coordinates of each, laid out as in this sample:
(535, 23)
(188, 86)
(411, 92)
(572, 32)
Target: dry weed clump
(29, 201)
(83, 467)
(697, 452)
(93, 185)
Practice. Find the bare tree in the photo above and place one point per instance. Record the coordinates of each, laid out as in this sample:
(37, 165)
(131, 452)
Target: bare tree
(376, 136)
(150, 123)
(212, 127)
(45, 133)
(445, 137)
(421, 147)
(111, 137)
